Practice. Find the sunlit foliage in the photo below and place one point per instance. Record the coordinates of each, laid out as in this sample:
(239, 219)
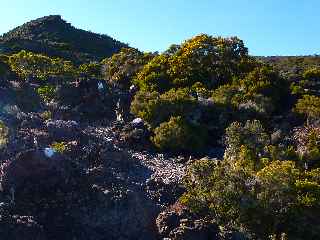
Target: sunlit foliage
(31, 65)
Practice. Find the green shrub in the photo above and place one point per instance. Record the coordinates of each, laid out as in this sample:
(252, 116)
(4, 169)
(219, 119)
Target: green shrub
(277, 199)
(155, 108)
(28, 64)
(253, 193)
(27, 97)
(211, 61)
(251, 135)
(59, 147)
(4, 67)
(144, 105)
(312, 74)
(92, 70)
(47, 92)
(4, 132)
(177, 134)
(122, 67)
(180, 82)
(46, 115)
(154, 75)
(309, 106)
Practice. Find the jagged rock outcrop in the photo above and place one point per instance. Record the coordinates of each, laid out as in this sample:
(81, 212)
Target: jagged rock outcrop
(176, 223)
(44, 168)
(61, 130)
(20, 227)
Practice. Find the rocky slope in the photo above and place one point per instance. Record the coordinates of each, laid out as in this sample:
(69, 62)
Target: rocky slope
(107, 183)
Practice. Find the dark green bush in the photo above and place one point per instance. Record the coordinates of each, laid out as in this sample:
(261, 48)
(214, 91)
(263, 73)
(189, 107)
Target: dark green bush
(155, 108)
(4, 131)
(4, 67)
(180, 82)
(92, 70)
(177, 135)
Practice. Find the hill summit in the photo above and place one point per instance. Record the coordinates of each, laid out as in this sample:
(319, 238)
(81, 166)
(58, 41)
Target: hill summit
(53, 36)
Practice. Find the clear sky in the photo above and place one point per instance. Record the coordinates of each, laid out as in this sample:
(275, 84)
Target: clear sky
(268, 27)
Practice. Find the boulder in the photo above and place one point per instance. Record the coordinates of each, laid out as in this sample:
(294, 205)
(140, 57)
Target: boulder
(42, 169)
(177, 223)
(17, 227)
(60, 130)
(31, 120)
(135, 133)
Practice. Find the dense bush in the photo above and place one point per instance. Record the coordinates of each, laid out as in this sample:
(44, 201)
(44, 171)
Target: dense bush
(31, 65)
(122, 67)
(307, 140)
(205, 59)
(266, 198)
(155, 108)
(91, 70)
(251, 135)
(260, 92)
(307, 83)
(309, 106)
(312, 74)
(154, 75)
(208, 81)
(177, 135)
(47, 92)
(59, 147)
(4, 68)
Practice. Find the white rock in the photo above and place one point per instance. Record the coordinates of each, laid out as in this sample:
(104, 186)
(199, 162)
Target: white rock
(100, 86)
(49, 152)
(137, 121)
(132, 87)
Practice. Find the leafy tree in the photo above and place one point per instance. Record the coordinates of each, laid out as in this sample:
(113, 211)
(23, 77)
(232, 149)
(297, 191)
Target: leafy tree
(122, 67)
(154, 75)
(205, 59)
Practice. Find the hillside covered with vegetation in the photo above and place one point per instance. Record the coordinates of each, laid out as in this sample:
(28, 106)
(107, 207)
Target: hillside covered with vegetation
(53, 36)
(234, 138)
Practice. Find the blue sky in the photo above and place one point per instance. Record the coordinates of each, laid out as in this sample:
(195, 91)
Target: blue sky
(268, 27)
